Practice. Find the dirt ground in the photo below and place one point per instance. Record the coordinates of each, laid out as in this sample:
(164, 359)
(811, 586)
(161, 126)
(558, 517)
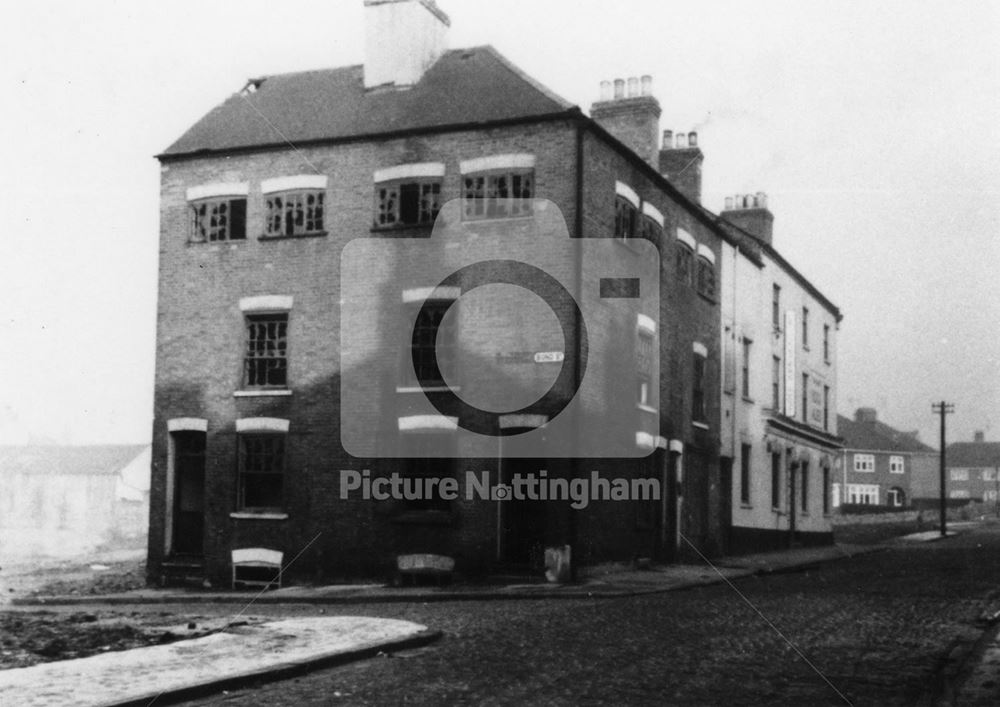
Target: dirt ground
(37, 636)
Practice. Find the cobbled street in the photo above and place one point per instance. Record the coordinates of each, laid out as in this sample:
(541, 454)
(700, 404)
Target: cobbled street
(876, 628)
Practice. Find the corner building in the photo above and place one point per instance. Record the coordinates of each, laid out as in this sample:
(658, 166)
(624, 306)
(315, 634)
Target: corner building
(259, 202)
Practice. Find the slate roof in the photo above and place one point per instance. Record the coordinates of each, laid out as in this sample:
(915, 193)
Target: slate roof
(973, 454)
(878, 437)
(100, 460)
(465, 86)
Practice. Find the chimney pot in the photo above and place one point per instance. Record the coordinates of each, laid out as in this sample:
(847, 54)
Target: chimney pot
(979, 436)
(729, 203)
(606, 90)
(681, 140)
(668, 139)
(633, 87)
(865, 415)
(619, 88)
(647, 85)
(692, 139)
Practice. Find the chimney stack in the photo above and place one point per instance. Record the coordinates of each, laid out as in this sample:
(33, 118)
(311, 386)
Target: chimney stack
(680, 162)
(633, 117)
(979, 436)
(750, 212)
(403, 38)
(865, 415)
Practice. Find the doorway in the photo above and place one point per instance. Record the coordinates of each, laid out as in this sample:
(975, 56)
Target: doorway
(189, 493)
(523, 523)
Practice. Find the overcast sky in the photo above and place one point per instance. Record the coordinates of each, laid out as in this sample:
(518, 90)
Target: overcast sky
(872, 126)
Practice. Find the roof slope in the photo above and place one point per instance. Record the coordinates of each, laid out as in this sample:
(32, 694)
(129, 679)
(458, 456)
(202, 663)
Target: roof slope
(102, 460)
(974, 454)
(475, 85)
(878, 436)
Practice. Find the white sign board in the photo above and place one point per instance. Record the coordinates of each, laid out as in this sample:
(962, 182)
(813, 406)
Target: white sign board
(790, 383)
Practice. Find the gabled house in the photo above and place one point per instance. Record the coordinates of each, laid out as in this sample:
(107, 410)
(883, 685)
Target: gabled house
(306, 334)
(972, 471)
(883, 466)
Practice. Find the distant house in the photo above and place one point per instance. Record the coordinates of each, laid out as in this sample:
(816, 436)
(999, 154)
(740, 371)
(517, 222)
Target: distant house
(57, 501)
(972, 469)
(880, 465)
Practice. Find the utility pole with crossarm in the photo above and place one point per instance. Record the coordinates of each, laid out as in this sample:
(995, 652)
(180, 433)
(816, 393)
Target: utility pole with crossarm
(943, 409)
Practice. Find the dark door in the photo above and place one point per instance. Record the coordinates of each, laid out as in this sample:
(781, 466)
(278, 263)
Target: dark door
(189, 492)
(725, 501)
(523, 527)
(695, 493)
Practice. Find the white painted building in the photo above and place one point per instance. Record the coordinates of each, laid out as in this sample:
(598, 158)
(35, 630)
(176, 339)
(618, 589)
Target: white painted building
(779, 383)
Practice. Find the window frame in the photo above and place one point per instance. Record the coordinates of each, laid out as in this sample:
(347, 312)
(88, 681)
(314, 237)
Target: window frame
(194, 225)
(250, 319)
(804, 487)
(897, 464)
(626, 219)
(490, 201)
(416, 465)
(258, 436)
(434, 356)
(699, 378)
(776, 307)
(747, 343)
(706, 278)
(644, 354)
(426, 213)
(805, 328)
(776, 383)
(826, 343)
(746, 460)
(776, 478)
(863, 463)
(276, 213)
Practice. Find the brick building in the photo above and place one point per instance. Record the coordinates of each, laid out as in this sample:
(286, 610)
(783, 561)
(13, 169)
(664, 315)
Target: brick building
(778, 427)
(883, 466)
(972, 471)
(279, 368)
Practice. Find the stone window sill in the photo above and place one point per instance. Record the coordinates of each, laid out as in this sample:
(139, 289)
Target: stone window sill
(700, 425)
(250, 515)
(261, 393)
(265, 237)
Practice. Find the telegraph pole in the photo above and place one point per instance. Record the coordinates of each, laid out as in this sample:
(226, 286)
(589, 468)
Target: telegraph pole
(943, 409)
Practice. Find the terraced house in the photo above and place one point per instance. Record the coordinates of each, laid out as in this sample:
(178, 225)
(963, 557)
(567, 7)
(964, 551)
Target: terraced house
(323, 235)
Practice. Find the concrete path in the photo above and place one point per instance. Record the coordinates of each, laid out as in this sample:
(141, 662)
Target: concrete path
(238, 655)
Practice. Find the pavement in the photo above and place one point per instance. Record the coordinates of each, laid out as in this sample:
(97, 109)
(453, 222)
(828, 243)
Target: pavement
(246, 653)
(602, 581)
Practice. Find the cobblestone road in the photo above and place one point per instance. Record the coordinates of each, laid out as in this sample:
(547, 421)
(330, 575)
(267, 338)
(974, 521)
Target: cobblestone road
(876, 628)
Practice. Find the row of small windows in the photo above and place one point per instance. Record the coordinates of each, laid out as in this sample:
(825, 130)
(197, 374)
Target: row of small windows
(630, 223)
(262, 467)
(410, 200)
(865, 463)
(965, 474)
(776, 322)
(779, 479)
